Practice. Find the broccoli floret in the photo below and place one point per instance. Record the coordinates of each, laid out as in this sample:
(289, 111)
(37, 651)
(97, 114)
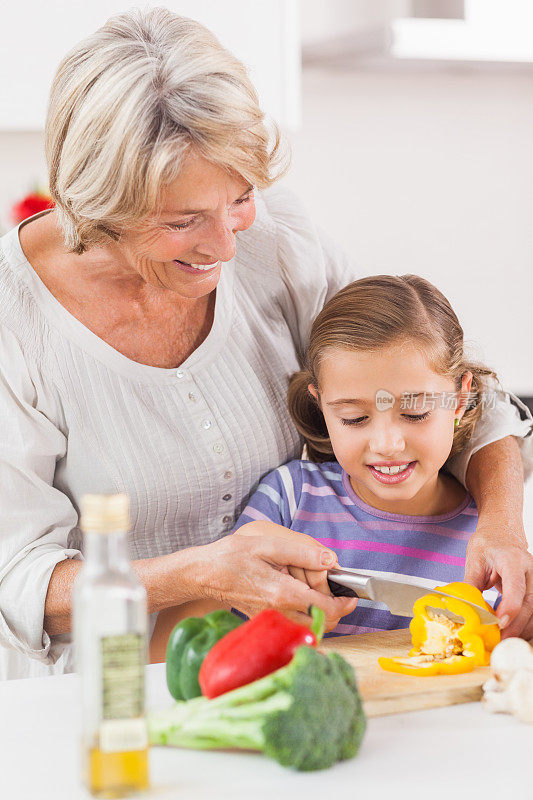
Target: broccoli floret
(307, 715)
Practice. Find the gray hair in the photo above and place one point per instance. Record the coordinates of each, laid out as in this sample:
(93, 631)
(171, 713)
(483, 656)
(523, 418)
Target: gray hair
(126, 105)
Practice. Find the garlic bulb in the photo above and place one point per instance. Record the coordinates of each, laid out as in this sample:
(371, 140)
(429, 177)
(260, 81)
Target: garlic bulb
(510, 687)
(520, 694)
(509, 656)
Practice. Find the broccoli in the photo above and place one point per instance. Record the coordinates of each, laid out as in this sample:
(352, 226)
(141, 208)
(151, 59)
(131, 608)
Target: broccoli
(307, 715)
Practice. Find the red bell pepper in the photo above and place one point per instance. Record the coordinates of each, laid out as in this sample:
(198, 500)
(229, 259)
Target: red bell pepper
(30, 205)
(262, 645)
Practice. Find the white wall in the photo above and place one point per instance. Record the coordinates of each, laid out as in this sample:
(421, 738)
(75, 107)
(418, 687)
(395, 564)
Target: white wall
(431, 172)
(22, 167)
(324, 19)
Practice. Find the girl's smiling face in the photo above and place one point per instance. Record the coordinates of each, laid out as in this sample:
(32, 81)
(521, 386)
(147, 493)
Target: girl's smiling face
(417, 438)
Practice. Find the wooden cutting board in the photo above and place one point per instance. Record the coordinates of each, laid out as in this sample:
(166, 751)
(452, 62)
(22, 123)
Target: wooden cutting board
(389, 692)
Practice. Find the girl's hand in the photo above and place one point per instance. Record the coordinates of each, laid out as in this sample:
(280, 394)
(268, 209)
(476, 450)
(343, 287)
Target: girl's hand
(250, 570)
(496, 556)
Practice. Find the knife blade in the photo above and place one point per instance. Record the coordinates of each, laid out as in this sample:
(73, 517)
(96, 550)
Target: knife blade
(397, 595)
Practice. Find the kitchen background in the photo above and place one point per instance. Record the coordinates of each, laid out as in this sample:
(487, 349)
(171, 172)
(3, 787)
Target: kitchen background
(410, 124)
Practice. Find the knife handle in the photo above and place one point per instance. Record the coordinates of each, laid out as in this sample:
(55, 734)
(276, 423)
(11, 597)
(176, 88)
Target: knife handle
(340, 591)
(349, 584)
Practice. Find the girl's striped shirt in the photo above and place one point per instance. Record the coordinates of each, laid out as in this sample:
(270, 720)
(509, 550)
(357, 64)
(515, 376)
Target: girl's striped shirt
(318, 499)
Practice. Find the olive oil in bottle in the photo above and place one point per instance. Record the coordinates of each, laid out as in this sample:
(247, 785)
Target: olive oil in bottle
(110, 643)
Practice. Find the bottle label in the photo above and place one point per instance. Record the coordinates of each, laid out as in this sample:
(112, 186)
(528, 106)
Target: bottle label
(123, 735)
(123, 727)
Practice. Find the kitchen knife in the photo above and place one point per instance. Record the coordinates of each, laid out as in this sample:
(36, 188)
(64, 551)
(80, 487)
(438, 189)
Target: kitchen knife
(398, 596)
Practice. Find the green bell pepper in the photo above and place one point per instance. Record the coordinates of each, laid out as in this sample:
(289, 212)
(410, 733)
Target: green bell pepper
(188, 645)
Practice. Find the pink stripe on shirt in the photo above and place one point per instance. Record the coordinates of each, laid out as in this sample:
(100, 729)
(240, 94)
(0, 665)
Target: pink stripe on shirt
(382, 547)
(254, 513)
(440, 530)
(317, 516)
(318, 491)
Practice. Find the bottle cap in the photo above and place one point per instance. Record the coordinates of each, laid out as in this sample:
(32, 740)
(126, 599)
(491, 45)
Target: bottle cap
(105, 513)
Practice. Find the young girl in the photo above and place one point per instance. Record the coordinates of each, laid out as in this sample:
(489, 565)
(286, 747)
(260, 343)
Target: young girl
(386, 398)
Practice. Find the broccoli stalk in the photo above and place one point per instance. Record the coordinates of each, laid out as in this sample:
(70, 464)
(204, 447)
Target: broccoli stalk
(307, 715)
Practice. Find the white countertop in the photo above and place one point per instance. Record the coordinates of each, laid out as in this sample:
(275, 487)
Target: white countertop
(458, 752)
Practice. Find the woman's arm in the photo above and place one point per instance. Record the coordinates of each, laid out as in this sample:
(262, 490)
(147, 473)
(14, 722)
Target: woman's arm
(497, 553)
(168, 581)
(493, 466)
(247, 570)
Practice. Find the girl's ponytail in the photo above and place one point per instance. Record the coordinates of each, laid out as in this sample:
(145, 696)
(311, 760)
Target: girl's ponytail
(308, 417)
(478, 395)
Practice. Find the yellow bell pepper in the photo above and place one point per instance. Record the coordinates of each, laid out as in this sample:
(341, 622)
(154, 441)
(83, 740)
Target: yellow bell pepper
(442, 646)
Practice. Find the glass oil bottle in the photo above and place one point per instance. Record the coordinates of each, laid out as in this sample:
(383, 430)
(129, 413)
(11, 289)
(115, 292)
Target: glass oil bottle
(110, 644)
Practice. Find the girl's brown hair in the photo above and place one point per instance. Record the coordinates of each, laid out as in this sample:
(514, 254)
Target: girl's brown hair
(376, 312)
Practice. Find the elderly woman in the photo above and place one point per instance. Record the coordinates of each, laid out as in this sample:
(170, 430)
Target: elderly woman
(149, 324)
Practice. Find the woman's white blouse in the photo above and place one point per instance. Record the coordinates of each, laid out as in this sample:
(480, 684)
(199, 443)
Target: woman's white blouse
(188, 445)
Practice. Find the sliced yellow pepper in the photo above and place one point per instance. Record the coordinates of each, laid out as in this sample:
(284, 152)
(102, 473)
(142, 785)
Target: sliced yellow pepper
(442, 646)
(412, 666)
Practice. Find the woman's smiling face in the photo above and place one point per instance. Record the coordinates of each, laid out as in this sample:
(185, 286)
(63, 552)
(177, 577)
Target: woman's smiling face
(183, 249)
(417, 439)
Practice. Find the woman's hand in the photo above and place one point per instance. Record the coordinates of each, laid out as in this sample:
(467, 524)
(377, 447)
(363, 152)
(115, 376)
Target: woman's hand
(497, 556)
(315, 578)
(250, 570)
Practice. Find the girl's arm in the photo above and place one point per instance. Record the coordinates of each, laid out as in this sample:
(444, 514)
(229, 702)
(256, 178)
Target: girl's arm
(497, 552)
